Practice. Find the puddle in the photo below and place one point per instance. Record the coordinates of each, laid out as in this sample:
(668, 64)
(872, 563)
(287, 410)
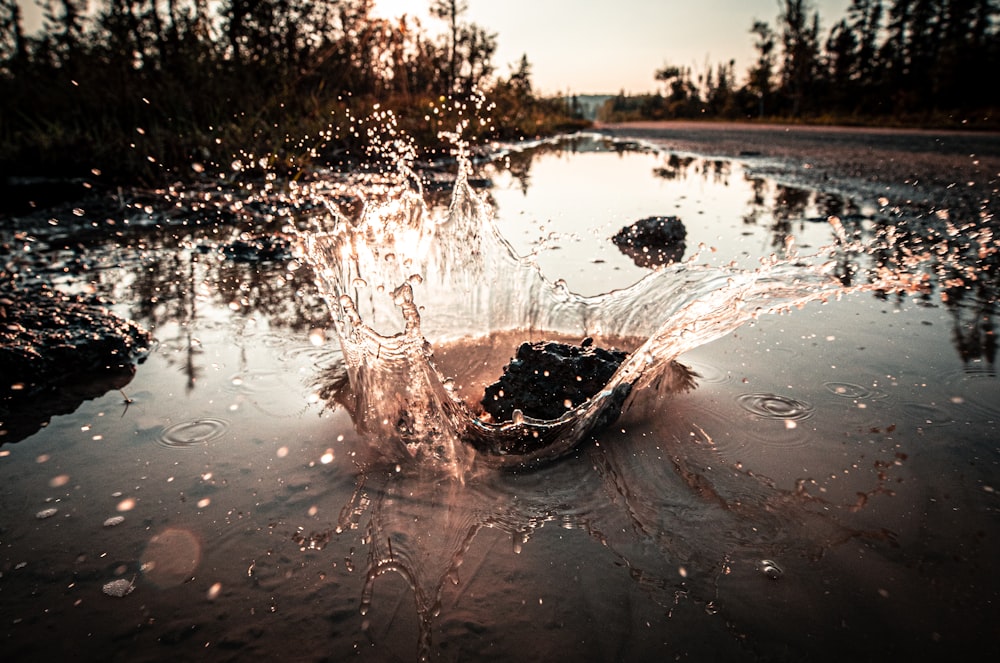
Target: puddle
(826, 486)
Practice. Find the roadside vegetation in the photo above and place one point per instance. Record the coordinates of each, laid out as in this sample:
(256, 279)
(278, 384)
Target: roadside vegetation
(147, 90)
(893, 63)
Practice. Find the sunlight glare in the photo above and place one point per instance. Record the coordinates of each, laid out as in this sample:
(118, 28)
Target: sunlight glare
(396, 8)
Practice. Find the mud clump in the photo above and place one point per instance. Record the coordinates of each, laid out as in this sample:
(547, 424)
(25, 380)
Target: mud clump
(653, 241)
(546, 379)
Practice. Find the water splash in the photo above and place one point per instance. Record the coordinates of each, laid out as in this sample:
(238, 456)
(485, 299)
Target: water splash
(403, 280)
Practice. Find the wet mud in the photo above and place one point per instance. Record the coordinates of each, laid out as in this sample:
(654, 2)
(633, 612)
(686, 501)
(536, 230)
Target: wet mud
(57, 350)
(546, 379)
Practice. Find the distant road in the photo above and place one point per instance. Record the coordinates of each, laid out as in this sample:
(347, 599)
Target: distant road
(930, 169)
(736, 137)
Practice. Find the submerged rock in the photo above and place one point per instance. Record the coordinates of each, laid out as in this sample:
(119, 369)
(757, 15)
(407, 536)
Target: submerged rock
(261, 248)
(265, 248)
(653, 241)
(546, 379)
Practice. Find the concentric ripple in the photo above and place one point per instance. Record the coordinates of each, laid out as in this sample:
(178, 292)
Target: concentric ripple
(193, 433)
(773, 406)
(848, 390)
(973, 392)
(710, 373)
(254, 381)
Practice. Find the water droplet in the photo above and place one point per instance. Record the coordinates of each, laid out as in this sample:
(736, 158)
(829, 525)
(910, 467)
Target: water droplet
(402, 295)
(119, 588)
(317, 337)
(59, 481)
(770, 568)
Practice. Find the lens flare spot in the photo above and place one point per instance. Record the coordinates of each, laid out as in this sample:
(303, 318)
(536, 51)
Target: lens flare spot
(59, 481)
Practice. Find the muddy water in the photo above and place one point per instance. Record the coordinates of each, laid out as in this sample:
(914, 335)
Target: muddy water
(827, 491)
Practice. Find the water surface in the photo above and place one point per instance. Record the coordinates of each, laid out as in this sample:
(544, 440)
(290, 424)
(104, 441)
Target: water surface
(826, 491)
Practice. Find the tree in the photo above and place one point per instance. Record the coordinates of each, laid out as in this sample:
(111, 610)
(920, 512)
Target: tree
(449, 11)
(13, 50)
(475, 49)
(720, 89)
(520, 78)
(865, 18)
(799, 37)
(841, 63)
(762, 73)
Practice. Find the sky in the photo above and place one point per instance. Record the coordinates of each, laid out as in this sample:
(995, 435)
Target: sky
(603, 47)
(606, 46)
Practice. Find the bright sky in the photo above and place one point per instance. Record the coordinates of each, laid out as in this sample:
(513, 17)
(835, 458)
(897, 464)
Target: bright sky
(599, 47)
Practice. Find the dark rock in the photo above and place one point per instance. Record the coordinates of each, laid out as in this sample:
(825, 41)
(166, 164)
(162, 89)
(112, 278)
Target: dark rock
(546, 379)
(656, 240)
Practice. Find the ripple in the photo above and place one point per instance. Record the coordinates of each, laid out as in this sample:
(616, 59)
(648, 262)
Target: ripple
(710, 428)
(974, 391)
(926, 415)
(848, 390)
(855, 392)
(273, 339)
(773, 406)
(254, 381)
(193, 433)
(710, 374)
(321, 356)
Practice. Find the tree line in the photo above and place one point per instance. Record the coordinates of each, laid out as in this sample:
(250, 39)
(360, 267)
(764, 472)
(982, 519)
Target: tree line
(138, 88)
(901, 61)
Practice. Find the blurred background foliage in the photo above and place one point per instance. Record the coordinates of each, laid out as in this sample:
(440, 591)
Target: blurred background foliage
(899, 62)
(149, 90)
